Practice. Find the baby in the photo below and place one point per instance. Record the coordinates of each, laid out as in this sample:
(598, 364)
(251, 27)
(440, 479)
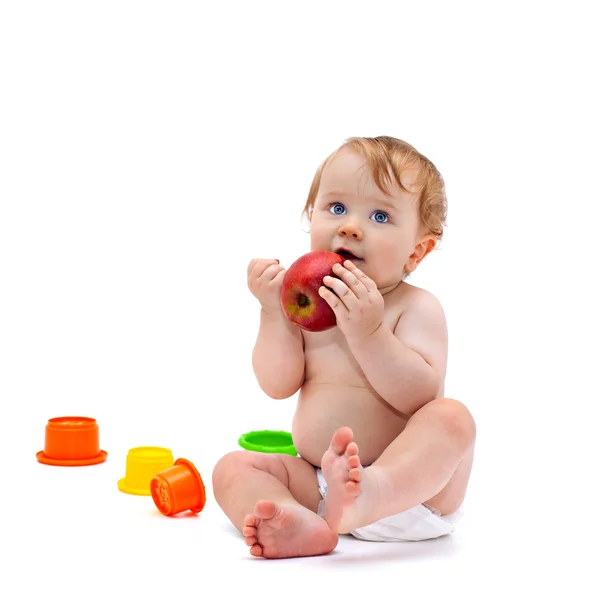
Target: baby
(383, 455)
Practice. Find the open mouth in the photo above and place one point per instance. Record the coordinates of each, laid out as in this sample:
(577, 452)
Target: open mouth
(347, 255)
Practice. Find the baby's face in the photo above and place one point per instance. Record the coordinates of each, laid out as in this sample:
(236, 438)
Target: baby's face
(351, 213)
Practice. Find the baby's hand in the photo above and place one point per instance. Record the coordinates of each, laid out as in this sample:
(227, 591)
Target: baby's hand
(265, 276)
(357, 303)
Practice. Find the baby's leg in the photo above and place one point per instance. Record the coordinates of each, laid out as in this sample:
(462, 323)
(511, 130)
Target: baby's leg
(429, 462)
(273, 499)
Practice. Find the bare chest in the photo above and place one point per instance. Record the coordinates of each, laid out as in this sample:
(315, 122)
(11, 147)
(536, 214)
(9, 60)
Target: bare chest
(328, 358)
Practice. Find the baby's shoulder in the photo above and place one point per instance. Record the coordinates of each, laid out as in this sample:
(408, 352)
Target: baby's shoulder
(408, 294)
(408, 299)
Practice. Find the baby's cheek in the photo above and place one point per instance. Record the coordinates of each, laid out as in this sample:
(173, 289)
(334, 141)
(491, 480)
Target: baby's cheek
(319, 239)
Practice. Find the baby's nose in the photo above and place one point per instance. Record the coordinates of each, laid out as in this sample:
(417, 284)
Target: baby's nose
(350, 229)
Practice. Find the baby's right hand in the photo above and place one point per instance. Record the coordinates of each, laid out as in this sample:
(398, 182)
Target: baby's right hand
(265, 276)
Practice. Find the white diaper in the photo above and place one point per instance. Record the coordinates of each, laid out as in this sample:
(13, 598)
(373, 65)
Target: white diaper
(415, 524)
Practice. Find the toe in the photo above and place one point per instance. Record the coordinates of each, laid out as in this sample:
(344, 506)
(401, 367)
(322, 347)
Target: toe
(352, 449)
(340, 440)
(250, 540)
(355, 475)
(353, 462)
(352, 487)
(256, 550)
(250, 521)
(266, 509)
(248, 531)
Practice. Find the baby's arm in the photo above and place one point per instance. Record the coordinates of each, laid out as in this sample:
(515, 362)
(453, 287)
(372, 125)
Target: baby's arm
(278, 356)
(407, 366)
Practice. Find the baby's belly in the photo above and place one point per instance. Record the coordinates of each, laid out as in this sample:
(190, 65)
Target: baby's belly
(323, 407)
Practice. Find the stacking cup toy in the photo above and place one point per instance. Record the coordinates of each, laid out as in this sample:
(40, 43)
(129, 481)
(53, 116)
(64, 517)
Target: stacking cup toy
(141, 465)
(279, 442)
(71, 442)
(178, 489)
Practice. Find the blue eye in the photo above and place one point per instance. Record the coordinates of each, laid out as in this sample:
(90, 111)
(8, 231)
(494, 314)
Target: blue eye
(337, 209)
(380, 217)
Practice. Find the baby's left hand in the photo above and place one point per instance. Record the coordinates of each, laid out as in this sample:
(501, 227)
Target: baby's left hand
(357, 303)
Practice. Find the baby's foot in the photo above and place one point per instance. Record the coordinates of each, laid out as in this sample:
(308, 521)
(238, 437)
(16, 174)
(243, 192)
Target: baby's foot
(287, 530)
(346, 504)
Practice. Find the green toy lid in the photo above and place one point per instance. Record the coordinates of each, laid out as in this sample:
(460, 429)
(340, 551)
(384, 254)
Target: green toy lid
(268, 441)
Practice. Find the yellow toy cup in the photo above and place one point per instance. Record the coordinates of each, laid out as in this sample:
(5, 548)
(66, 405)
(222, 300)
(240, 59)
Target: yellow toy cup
(142, 464)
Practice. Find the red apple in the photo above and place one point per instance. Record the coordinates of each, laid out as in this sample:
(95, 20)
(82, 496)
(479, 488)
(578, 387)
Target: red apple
(300, 298)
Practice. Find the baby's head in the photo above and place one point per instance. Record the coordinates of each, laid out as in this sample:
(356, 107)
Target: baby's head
(390, 157)
(350, 190)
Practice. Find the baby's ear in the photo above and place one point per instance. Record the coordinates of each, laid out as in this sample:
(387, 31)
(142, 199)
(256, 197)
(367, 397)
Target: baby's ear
(421, 250)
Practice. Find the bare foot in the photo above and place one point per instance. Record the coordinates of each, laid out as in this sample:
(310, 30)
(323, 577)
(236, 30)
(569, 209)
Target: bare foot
(348, 490)
(287, 530)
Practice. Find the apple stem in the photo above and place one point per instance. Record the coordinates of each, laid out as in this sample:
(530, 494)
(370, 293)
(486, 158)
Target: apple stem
(303, 300)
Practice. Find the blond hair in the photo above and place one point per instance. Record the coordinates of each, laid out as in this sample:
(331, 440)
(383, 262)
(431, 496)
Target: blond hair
(388, 158)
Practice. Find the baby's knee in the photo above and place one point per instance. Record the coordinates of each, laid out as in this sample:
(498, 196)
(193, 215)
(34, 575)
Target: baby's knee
(456, 418)
(227, 467)
(234, 466)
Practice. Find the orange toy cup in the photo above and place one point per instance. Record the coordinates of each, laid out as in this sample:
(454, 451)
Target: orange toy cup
(71, 442)
(178, 488)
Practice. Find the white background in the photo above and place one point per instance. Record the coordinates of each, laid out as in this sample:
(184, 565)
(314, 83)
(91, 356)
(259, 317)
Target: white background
(149, 150)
